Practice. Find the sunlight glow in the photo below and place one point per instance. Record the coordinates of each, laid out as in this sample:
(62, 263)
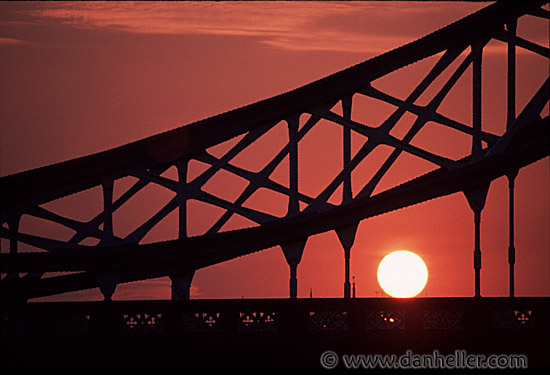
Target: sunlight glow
(402, 274)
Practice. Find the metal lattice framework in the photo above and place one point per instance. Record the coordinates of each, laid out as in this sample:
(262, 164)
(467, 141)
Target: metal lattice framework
(118, 259)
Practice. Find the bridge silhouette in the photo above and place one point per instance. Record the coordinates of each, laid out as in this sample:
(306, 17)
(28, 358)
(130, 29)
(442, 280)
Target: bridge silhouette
(97, 256)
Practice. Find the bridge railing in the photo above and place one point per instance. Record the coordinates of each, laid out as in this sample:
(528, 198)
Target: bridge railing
(283, 316)
(268, 333)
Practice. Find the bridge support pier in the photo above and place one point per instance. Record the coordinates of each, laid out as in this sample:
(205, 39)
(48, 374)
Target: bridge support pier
(347, 237)
(293, 254)
(476, 198)
(181, 286)
(108, 283)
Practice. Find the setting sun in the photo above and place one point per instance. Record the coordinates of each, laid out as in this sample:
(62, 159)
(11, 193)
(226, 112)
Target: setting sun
(402, 274)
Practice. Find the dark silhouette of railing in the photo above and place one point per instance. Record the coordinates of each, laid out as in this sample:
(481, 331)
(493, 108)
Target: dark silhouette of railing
(268, 333)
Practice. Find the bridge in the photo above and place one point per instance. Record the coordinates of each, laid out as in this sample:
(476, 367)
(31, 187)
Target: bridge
(98, 256)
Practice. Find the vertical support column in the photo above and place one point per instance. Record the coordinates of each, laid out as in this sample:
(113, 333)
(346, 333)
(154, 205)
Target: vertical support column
(293, 251)
(346, 110)
(182, 199)
(511, 117)
(477, 50)
(347, 235)
(347, 285)
(181, 283)
(511, 248)
(293, 203)
(293, 254)
(181, 286)
(108, 235)
(511, 103)
(293, 282)
(477, 252)
(476, 198)
(107, 281)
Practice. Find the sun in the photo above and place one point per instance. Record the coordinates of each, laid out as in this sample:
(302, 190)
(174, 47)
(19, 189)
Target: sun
(402, 274)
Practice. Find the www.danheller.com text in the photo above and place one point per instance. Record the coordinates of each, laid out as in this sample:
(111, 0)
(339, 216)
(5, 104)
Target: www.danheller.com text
(459, 359)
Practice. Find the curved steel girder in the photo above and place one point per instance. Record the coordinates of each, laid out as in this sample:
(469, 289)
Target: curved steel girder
(24, 190)
(185, 255)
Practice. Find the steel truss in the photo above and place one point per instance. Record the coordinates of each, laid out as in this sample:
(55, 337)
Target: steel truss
(118, 259)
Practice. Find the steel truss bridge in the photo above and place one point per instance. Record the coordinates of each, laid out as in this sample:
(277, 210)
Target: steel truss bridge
(96, 255)
(116, 259)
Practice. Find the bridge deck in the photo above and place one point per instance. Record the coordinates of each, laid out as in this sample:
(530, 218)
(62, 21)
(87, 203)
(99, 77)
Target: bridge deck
(266, 333)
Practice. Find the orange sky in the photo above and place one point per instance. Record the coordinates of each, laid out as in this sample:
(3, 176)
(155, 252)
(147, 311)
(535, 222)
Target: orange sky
(78, 78)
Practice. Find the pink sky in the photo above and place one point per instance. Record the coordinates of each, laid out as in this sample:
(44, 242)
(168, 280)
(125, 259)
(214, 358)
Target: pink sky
(83, 77)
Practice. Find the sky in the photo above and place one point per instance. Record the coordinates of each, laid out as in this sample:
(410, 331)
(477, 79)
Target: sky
(82, 77)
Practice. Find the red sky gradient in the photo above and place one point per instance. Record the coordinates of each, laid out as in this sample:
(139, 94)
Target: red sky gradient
(78, 78)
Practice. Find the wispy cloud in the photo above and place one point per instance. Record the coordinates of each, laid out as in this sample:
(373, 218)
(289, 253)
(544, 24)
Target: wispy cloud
(288, 25)
(223, 18)
(358, 27)
(12, 41)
